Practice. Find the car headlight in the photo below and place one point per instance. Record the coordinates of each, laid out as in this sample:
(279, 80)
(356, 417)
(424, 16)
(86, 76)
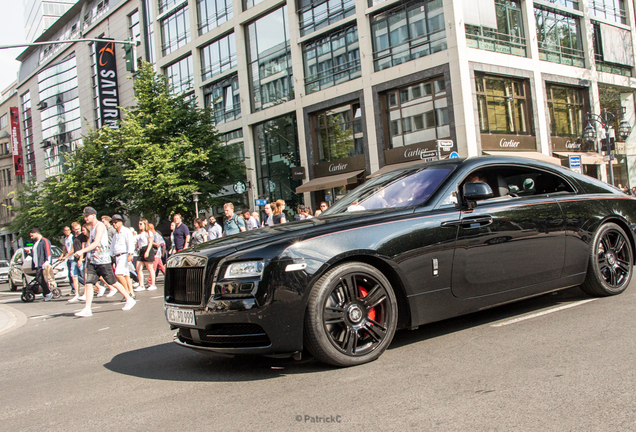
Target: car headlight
(245, 269)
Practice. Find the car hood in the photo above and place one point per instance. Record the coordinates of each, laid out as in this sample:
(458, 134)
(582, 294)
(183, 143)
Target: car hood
(293, 231)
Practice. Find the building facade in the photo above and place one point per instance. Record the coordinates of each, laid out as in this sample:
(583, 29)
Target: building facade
(58, 89)
(321, 94)
(10, 173)
(39, 15)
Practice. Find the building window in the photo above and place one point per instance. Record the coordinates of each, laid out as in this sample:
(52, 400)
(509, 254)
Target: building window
(224, 99)
(277, 151)
(149, 44)
(507, 38)
(213, 13)
(338, 133)
(27, 129)
(417, 114)
(612, 49)
(59, 113)
(612, 10)
(331, 60)
(250, 3)
(234, 146)
(566, 106)
(407, 32)
(175, 31)
(4, 121)
(181, 75)
(269, 59)
(316, 14)
(164, 5)
(573, 4)
(218, 57)
(502, 105)
(559, 37)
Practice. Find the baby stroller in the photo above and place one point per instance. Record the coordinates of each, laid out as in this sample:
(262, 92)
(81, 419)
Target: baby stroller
(32, 288)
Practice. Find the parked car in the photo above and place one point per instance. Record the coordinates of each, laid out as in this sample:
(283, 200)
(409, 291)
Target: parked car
(404, 249)
(4, 271)
(20, 272)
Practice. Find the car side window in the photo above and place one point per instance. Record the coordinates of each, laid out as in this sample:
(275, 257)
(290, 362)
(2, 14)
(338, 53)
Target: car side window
(18, 258)
(536, 183)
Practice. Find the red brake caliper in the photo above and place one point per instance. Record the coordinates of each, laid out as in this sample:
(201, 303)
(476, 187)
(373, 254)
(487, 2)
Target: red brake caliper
(364, 293)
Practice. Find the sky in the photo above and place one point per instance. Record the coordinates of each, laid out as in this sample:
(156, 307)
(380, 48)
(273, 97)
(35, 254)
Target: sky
(11, 32)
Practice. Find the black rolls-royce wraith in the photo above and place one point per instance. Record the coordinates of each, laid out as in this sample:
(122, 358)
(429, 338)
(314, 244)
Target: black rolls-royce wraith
(404, 249)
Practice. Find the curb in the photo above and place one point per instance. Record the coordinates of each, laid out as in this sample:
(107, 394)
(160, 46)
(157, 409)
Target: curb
(11, 318)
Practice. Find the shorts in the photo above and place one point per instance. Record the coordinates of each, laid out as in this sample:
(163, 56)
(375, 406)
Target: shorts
(121, 263)
(74, 268)
(151, 255)
(94, 271)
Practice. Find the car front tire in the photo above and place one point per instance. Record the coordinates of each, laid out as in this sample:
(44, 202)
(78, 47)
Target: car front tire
(610, 265)
(351, 315)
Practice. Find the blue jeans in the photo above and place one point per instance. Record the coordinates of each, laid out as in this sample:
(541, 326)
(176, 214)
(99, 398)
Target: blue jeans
(76, 270)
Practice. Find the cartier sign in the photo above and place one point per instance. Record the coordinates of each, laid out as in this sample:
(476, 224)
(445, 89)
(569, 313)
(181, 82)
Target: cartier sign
(503, 142)
(570, 145)
(340, 166)
(423, 151)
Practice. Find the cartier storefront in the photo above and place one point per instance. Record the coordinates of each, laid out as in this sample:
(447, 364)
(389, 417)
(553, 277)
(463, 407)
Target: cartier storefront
(336, 148)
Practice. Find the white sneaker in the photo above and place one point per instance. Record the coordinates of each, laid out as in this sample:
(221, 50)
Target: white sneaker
(111, 293)
(135, 284)
(101, 292)
(140, 288)
(82, 298)
(84, 313)
(152, 287)
(129, 304)
(74, 299)
(48, 297)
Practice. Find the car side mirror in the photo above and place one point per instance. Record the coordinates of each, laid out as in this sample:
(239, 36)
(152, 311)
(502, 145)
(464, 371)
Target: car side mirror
(476, 191)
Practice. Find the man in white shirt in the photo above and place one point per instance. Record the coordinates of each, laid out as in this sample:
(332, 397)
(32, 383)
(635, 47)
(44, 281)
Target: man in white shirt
(122, 248)
(68, 250)
(250, 222)
(214, 229)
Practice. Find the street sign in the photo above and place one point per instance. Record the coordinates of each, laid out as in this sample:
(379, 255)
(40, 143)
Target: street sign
(608, 158)
(575, 161)
(445, 145)
(260, 202)
(454, 155)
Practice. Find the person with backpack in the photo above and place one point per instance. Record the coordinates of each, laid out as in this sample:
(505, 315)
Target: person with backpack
(233, 223)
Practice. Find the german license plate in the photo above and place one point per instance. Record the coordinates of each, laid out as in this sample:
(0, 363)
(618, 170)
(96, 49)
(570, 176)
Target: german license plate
(180, 316)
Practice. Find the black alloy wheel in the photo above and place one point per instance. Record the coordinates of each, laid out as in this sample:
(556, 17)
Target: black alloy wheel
(352, 315)
(611, 262)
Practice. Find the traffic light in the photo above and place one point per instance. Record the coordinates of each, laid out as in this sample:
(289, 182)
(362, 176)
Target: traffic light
(129, 56)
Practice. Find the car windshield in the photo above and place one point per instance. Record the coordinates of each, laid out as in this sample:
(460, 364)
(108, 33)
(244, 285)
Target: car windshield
(4, 263)
(393, 190)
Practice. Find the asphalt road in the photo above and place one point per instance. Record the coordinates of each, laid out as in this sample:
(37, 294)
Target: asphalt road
(562, 362)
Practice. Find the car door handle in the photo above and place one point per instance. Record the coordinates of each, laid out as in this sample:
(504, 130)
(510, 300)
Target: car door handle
(476, 222)
(449, 224)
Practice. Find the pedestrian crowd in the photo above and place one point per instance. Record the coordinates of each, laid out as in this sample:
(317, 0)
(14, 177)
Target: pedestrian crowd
(104, 253)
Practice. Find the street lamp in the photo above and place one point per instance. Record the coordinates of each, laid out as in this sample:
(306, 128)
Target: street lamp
(195, 198)
(605, 120)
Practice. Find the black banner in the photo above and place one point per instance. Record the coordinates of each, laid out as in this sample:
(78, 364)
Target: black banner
(107, 84)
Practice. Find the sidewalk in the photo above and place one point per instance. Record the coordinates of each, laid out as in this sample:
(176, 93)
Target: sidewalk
(10, 319)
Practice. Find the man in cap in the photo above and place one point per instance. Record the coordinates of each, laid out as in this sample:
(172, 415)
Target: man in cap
(98, 262)
(122, 249)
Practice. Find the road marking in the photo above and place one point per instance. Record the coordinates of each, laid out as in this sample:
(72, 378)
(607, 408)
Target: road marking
(545, 312)
(105, 328)
(11, 293)
(157, 297)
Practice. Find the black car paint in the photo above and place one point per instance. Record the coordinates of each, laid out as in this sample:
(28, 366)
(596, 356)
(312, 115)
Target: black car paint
(474, 272)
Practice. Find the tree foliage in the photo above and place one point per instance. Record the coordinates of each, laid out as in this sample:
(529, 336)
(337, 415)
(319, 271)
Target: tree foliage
(165, 149)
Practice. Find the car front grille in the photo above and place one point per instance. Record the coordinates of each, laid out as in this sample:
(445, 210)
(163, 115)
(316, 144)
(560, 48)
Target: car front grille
(227, 336)
(184, 285)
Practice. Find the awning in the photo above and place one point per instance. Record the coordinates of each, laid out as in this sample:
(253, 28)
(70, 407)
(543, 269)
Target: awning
(389, 168)
(589, 158)
(526, 154)
(322, 183)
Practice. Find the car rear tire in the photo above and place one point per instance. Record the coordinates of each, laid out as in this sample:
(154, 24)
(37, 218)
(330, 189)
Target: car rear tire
(351, 315)
(610, 267)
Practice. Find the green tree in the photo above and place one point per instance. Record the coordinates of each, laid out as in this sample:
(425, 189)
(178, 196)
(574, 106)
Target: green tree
(165, 149)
